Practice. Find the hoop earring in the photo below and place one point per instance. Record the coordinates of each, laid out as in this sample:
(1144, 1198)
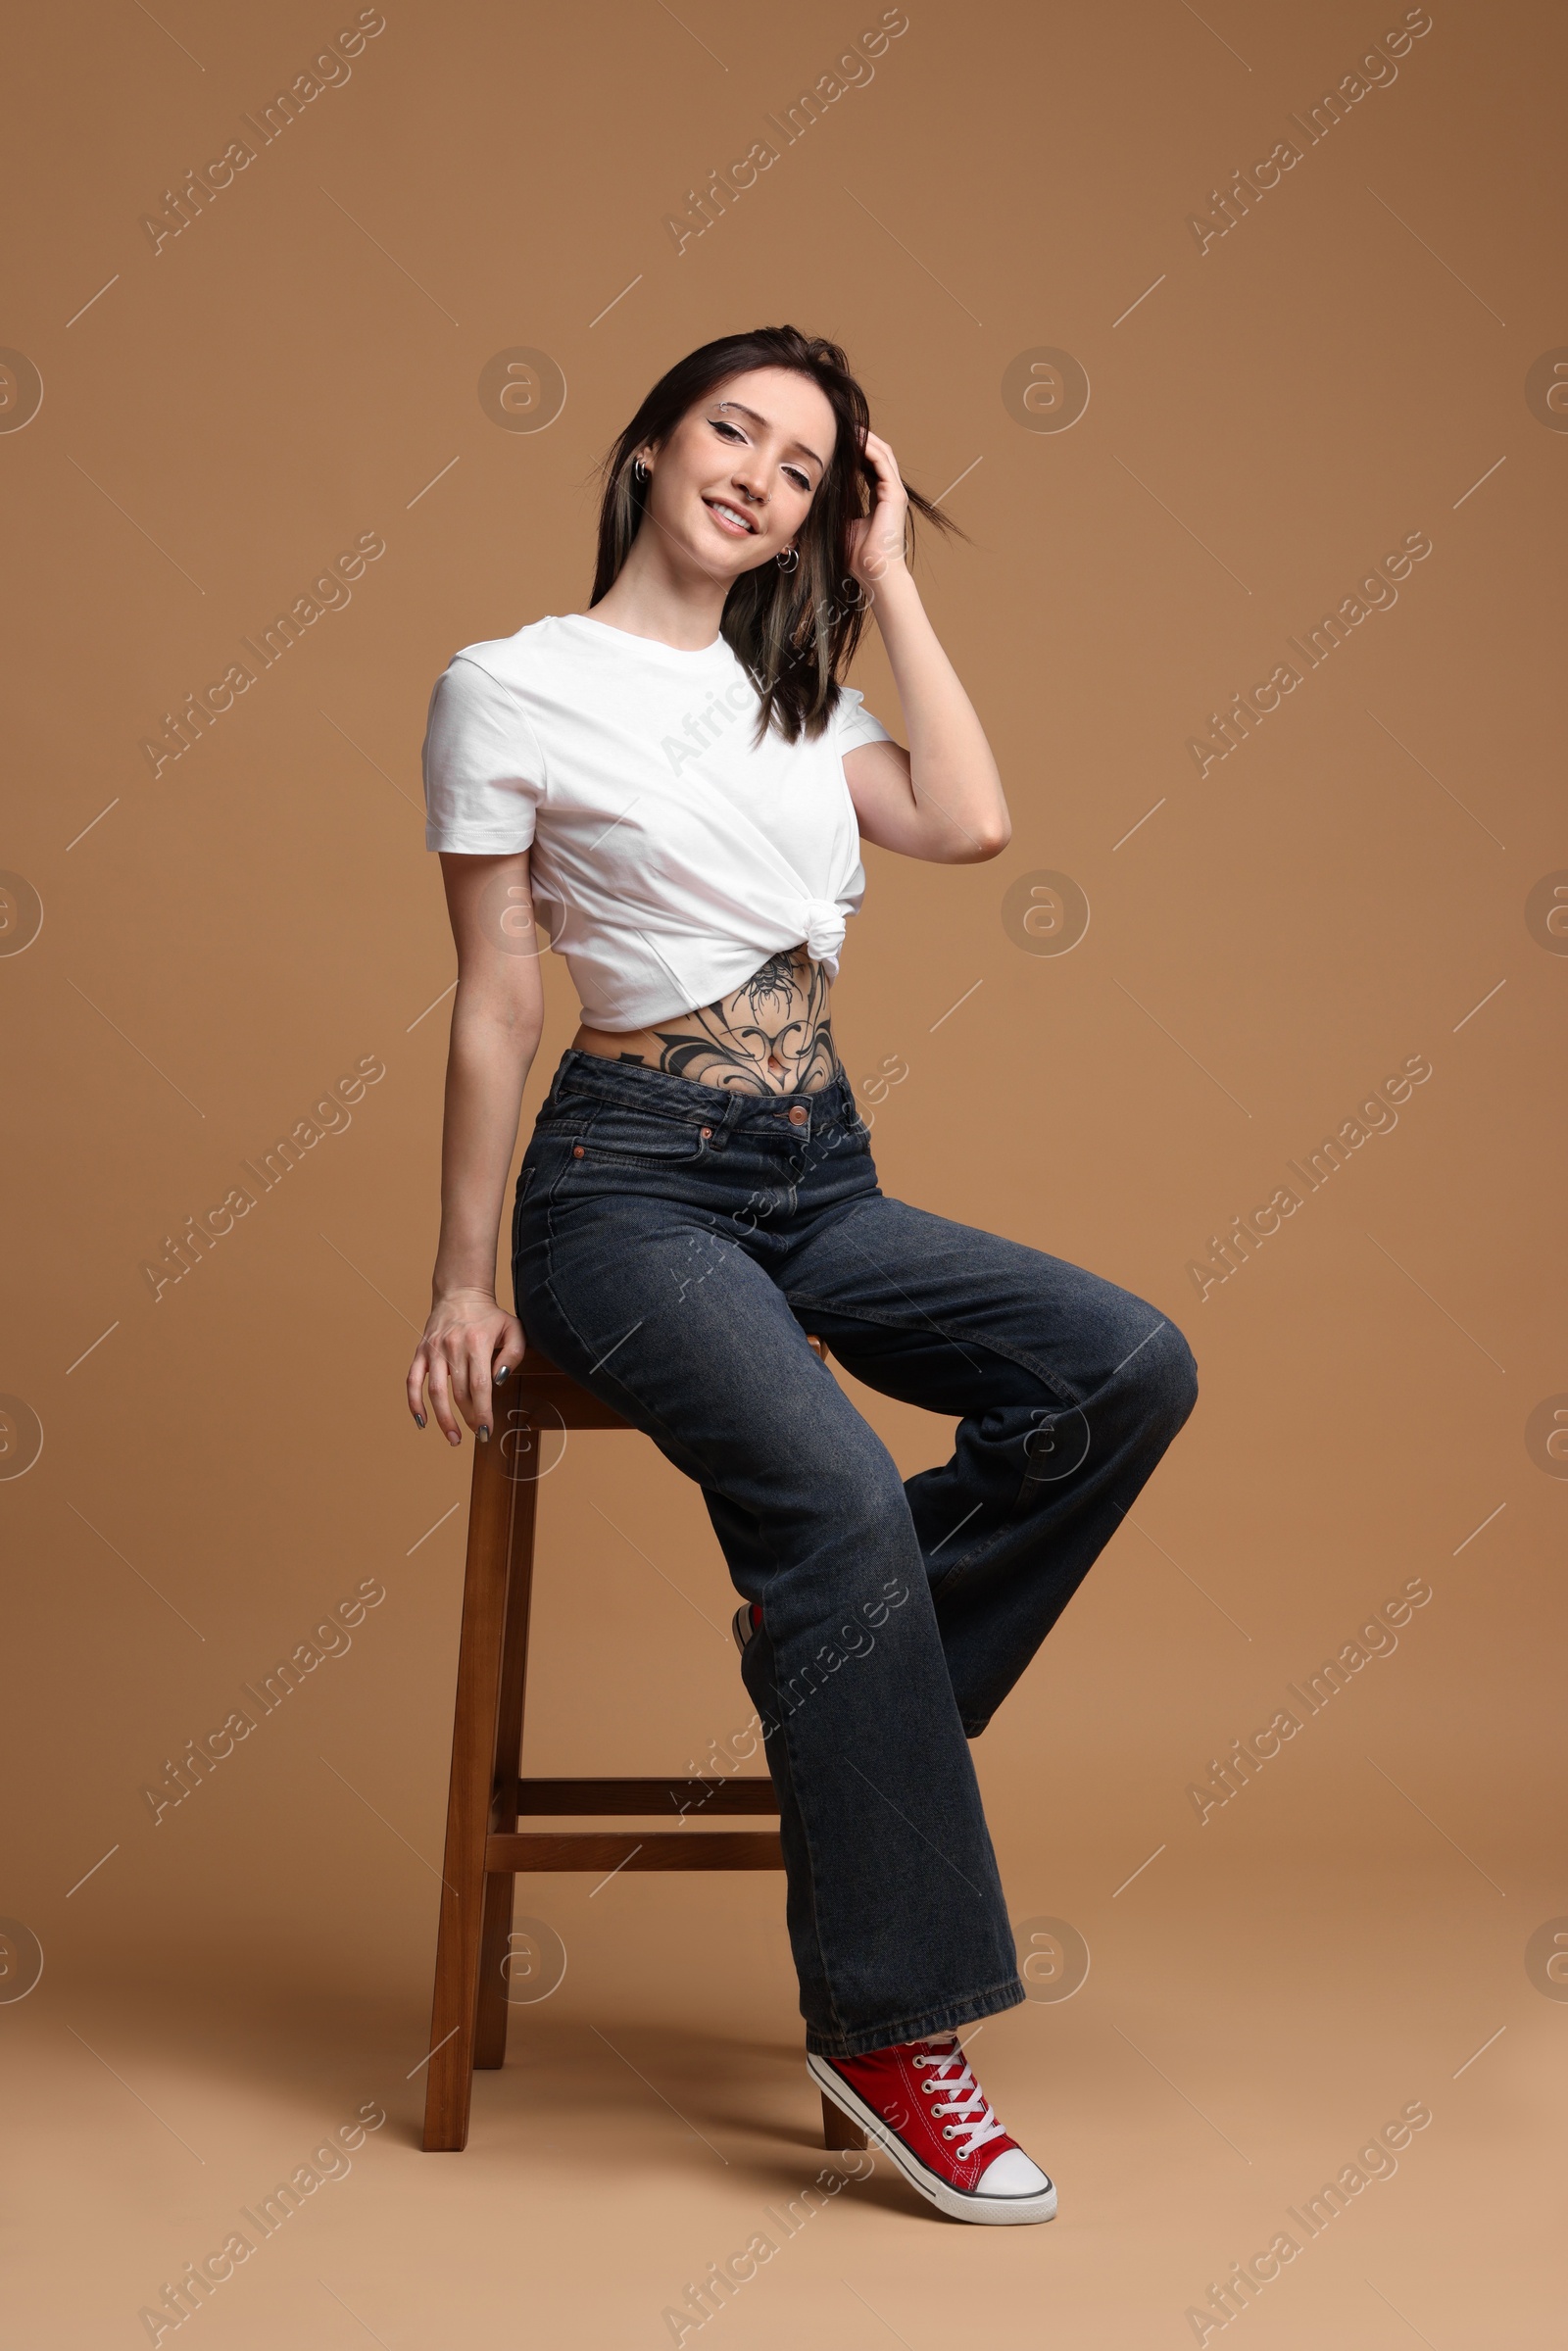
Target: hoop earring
(793, 555)
(639, 469)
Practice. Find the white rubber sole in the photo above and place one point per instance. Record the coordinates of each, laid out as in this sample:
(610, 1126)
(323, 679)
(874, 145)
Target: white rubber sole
(997, 2211)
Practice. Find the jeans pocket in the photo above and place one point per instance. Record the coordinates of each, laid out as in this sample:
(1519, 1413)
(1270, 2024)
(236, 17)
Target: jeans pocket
(638, 1139)
(526, 1183)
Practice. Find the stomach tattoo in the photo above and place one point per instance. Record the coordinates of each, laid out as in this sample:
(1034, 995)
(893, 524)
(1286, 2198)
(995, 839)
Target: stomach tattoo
(772, 1035)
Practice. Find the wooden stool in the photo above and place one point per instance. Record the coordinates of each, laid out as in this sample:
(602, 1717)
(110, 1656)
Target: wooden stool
(485, 1850)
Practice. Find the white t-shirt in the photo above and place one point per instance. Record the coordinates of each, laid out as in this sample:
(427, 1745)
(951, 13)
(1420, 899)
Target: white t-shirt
(670, 859)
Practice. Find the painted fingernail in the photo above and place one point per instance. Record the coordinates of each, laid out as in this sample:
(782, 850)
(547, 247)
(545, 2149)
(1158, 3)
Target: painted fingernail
(483, 1434)
(419, 1420)
(502, 1373)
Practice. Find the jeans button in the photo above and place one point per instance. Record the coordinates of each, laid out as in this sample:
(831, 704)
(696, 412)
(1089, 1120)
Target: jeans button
(707, 1134)
(799, 1115)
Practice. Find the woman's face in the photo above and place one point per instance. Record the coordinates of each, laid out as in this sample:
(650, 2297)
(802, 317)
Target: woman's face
(736, 478)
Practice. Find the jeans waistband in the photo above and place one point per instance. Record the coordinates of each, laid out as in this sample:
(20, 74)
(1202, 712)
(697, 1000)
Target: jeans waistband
(632, 1088)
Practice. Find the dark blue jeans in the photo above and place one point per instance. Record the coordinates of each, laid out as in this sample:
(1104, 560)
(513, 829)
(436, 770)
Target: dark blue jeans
(672, 1245)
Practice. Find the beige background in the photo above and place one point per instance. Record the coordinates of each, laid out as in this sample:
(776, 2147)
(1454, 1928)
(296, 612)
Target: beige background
(1267, 417)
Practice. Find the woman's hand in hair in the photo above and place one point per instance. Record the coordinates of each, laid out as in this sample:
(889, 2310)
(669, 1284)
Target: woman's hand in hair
(470, 1344)
(877, 541)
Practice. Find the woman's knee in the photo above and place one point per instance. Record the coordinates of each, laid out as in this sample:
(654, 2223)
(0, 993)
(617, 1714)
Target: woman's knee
(1165, 1377)
(861, 1496)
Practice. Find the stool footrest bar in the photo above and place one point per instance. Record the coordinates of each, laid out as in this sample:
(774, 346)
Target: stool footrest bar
(677, 1800)
(596, 1849)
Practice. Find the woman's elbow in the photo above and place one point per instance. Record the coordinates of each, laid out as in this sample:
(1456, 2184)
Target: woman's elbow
(985, 840)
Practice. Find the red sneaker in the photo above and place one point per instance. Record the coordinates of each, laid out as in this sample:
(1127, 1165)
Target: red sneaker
(921, 2105)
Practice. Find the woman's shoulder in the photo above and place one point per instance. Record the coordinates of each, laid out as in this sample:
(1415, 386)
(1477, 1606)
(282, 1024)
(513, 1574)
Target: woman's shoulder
(525, 658)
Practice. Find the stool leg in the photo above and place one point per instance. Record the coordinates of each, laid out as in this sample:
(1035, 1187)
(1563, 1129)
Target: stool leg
(496, 1498)
(837, 2128)
(518, 1441)
(491, 2018)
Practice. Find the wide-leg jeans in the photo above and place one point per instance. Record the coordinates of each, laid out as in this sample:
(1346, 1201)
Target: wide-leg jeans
(672, 1246)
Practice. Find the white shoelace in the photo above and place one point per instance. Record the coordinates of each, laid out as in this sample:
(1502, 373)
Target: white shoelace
(965, 2099)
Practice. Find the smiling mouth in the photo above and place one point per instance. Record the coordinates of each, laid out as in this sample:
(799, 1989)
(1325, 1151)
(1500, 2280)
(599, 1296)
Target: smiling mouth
(730, 517)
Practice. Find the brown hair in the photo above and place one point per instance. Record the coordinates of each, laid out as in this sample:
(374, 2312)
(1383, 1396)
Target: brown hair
(793, 631)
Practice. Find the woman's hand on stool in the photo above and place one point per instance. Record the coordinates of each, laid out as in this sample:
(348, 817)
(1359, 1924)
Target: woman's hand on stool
(471, 1345)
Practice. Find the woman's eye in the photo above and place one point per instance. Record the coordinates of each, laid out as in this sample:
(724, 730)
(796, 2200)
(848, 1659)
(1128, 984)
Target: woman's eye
(797, 480)
(722, 425)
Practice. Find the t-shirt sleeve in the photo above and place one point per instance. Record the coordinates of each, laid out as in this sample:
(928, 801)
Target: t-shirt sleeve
(854, 723)
(484, 775)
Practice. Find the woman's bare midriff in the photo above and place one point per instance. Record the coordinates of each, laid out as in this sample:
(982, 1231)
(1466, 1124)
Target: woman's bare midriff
(770, 1035)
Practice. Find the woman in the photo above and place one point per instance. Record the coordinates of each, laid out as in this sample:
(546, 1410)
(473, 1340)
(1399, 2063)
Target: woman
(679, 784)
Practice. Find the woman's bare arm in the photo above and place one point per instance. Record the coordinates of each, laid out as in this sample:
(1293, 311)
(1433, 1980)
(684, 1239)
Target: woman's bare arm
(940, 799)
(497, 1018)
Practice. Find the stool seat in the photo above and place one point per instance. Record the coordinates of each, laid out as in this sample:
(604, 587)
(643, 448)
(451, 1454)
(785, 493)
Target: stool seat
(485, 1848)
